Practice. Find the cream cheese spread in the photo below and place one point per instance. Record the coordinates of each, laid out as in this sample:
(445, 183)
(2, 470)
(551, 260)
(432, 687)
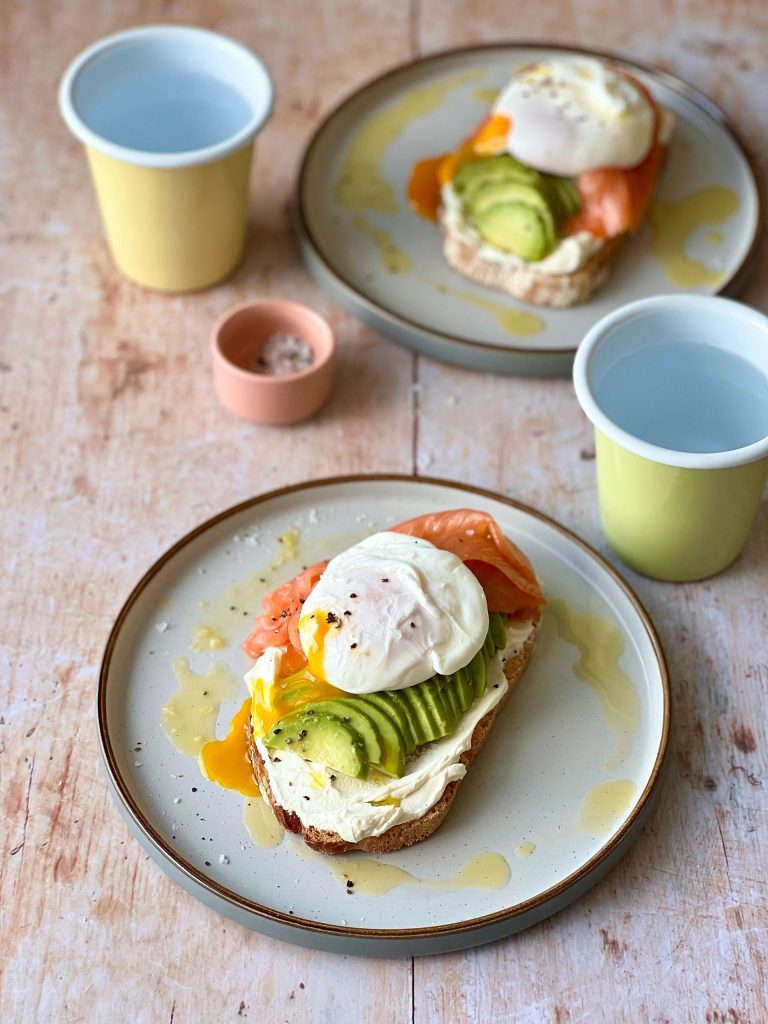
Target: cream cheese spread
(356, 809)
(569, 255)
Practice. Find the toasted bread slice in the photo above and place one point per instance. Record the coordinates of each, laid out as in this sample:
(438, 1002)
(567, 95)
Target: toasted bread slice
(408, 832)
(524, 281)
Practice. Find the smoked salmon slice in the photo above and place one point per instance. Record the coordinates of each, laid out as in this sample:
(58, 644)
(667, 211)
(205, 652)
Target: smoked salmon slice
(501, 568)
(504, 572)
(278, 626)
(615, 200)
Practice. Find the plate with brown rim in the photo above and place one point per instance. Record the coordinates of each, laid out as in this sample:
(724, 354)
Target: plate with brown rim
(555, 798)
(385, 264)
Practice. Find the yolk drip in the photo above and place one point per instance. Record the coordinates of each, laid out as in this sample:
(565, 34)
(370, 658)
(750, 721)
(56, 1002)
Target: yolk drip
(424, 186)
(322, 622)
(287, 694)
(226, 761)
(429, 175)
(492, 136)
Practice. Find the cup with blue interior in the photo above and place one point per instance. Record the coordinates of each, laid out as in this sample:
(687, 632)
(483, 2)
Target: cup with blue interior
(676, 387)
(168, 115)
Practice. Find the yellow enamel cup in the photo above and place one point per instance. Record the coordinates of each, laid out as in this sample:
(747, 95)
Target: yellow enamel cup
(168, 116)
(677, 389)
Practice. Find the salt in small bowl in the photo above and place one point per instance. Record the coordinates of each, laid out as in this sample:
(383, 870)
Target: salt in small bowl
(237, 342)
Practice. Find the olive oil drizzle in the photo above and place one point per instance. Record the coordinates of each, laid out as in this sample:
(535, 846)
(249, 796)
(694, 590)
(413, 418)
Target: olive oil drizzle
(392, 258)
(361, 184)
(261, 823)
(604, 805)
(673, 223)
(375, 878)
(517, 322)
(189, 716)
(600, 643)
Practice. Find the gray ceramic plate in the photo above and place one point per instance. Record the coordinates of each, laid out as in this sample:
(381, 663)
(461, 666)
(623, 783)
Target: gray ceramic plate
(381, 261)
(545, 757)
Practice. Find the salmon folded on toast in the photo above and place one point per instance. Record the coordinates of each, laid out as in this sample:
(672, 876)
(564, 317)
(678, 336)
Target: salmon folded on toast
(379, 674)
(537, 200)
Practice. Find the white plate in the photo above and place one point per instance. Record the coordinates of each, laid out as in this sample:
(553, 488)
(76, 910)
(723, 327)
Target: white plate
(454, 324)
(545, 753)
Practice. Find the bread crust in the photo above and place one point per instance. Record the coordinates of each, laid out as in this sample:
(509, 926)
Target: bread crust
(525, 282)
(408, 832)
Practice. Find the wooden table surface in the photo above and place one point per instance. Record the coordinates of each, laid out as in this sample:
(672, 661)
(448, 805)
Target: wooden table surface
(113, 445)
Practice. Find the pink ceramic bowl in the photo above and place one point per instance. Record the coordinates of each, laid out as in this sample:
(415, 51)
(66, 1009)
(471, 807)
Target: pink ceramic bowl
(237, 342)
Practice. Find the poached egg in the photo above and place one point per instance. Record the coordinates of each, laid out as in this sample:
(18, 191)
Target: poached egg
(390, 612)
(572, 114)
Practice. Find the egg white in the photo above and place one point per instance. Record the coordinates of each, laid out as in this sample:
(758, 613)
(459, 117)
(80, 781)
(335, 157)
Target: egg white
(573, 114)
(390, 612)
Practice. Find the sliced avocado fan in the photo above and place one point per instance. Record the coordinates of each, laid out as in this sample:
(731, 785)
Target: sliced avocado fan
(515, 208)
(355, 734)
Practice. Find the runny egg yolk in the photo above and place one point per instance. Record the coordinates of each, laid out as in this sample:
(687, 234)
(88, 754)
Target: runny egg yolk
(315, 651)
(492, 137)
(286, 694)
(429, 175)
(424, 186)
(226, 761)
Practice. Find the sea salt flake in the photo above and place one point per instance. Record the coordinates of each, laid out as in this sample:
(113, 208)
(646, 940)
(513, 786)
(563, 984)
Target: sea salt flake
(284, 354)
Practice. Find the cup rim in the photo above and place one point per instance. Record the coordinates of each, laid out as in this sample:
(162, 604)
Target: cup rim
(146, 158)
(252, 376)
(645, 449)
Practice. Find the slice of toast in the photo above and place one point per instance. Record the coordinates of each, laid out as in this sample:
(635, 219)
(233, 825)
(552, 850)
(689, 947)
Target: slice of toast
(524, 281)
(408, 832)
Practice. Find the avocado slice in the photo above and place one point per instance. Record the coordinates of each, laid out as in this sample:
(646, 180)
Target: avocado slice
(516, 228)
(515, 192)
(489, 647)
(352, 714)
(449, 694)
(478, 670)
(391, 704)
(393, 749)
(464, 688)
(504, 181)
(429, 692)
(497, 631)
(423, 723)
(475, 176)
(321, 737)
(507, 192)
(564, 197)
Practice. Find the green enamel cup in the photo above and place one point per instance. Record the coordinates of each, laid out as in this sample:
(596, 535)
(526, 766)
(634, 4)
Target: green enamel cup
(676, 387)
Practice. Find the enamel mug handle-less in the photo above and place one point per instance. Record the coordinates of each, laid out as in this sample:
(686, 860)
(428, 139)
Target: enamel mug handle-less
(677, 390)
(168, 116)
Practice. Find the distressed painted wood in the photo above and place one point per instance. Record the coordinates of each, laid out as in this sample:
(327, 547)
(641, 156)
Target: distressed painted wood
(113, 445)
